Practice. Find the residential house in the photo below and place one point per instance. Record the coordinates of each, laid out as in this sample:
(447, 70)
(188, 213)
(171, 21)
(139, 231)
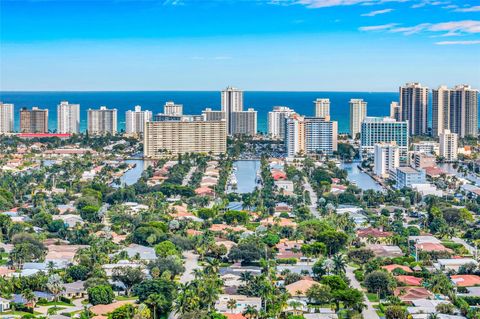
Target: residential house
(242, 302)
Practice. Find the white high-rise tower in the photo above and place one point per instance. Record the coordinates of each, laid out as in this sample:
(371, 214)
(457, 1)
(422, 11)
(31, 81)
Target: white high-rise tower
(232, 101)
(6, 118)
(135, 120)
(68, 118)
(358, 112)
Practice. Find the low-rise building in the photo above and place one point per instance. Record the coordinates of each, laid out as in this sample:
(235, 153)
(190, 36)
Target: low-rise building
(406, 176)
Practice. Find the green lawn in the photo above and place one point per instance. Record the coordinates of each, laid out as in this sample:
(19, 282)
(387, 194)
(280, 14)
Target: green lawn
(55, 303)
(122, 297)
(372, 297)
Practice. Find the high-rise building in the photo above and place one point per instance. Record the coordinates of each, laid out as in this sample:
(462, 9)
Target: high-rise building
(414, 104)
(358, 112)
(464, 111)
(322, 108)
(386, 159)
(213, 115)
(294, 135)
(244, 122)
(34, 120)
(383, 130)
(68, 118)
(170, 108)
(311, 135)
(179, 137)
(395, 111)
(232, 101)
(455, 110)
(320, 135)
(449, 145)
(135, 120)
(276, 121)
(102, 121)
(440, 110)
(428, 147)
(6, 118)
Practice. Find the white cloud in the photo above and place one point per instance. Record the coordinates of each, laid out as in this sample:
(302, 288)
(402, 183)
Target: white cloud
(377, 12)
(458, 42)
(334, 3)
(452, 28)
(378, 27)
(468, 9)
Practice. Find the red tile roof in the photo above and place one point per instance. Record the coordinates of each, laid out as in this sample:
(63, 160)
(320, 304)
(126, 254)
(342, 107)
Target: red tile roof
(409, 280)
(392, 267)
(466, 280)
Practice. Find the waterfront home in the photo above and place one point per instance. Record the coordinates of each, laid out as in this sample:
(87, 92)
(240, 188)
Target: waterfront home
(242, 302)
(63, 253)
(204, 191)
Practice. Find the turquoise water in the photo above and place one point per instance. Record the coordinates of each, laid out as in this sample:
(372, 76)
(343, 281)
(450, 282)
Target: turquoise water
(361, 179)
(195, 101)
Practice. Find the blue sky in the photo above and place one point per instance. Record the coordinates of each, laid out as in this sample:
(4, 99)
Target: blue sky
(319, 45)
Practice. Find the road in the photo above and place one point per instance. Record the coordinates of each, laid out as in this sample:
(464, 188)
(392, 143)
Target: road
(369, 312)
(187, 177)
(191, 263)
(313, 197)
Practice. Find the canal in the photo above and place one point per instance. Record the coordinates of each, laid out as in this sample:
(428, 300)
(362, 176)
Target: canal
(245, 172)
(133, 175)
(360, 178)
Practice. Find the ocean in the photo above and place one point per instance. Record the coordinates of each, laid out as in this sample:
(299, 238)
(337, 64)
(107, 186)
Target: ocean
(195, 101)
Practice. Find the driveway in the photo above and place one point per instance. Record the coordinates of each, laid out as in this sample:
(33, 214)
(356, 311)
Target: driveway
(369, 312)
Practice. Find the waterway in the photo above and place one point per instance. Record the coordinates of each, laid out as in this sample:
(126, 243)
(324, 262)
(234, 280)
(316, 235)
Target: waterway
(246, 172)
(133, 175)
(360, 178)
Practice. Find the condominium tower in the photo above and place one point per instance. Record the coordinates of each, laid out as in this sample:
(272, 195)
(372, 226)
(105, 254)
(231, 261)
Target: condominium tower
(102, 121)
(244, 122)
(383, 130)
(34, 120)
(68, 118)
(213, 115)
(455, 110)
(358, 112)
(449, 145)
(311, 135)
(135, 120)
(395, 111)
(6, 118)
(232, 101)
(322, 108)
(276, 121)
(170, 108)
(386, 159)
(414, 104)
(179, 137)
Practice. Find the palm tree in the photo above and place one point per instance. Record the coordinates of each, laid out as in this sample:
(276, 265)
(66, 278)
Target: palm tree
(231, 304)
(212, 266)
(55, 285)
(250, 312)
(29, 297)
(156, 301)
(338, 264)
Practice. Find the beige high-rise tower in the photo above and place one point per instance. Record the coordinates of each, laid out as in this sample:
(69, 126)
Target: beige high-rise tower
(322, 108)
(358, 112)
(414, 104)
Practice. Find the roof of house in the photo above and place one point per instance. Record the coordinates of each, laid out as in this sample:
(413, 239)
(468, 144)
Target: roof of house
(234, 315)
(409, 280)
(105, 309)
(465, 280)
(412, 293)
(299, 288)
(373, 232)
(392, 267)
(432, 247)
